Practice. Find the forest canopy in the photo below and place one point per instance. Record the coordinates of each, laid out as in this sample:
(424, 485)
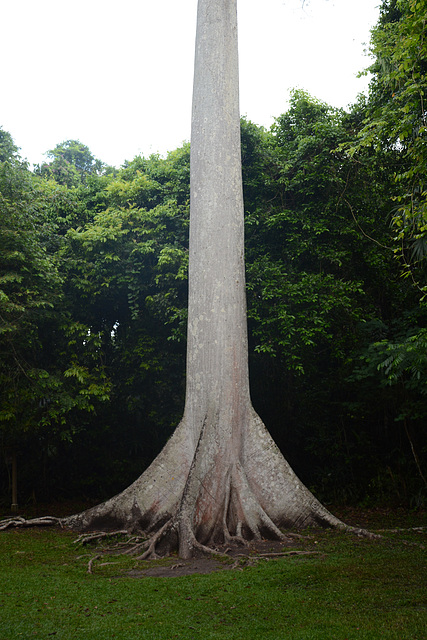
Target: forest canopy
(93, 294)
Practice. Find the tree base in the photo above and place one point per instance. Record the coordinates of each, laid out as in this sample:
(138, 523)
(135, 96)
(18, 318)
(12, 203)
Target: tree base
(195, 497)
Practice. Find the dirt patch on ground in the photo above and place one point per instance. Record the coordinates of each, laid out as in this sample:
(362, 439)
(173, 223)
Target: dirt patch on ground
(227, 558)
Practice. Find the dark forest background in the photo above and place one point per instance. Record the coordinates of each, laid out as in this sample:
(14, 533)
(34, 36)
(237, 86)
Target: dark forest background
(93, 294)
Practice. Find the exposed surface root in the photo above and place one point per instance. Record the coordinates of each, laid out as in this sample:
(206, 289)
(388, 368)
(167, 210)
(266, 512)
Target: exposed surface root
(416, 529)
(362, 533)
(255, 517)
(90, 563)
(18, 521)
(205, 550)
(295, 536)
(228, 539)
(282, 554)
(86, 538)
(251, 560)
(152, 542)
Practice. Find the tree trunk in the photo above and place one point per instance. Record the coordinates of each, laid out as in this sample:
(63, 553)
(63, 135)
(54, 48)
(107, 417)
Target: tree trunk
(220, 477)
(14, 505)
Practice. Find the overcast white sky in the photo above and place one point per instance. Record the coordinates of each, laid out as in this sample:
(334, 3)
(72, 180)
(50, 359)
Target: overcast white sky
(117, 75)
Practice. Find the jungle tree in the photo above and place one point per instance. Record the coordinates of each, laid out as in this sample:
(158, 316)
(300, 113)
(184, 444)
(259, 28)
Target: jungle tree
(220, 477)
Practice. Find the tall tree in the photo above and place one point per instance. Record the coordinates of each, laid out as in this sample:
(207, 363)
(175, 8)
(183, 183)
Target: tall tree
(220, 477)
(71, 164)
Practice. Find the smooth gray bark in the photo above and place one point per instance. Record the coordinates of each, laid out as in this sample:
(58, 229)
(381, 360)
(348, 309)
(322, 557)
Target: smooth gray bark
(217, 359)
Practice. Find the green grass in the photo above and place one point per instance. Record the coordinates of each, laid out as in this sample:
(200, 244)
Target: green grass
(353, 589)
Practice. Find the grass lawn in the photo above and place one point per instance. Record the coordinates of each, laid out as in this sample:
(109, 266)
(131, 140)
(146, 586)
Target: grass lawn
(352, 588)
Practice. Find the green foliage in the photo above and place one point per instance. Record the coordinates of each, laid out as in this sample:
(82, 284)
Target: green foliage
(8, 149)
(125, 270)
(407, 357)
(391, 133)
(396, 121)
(94, 293)
(323, 286)
(44, 386)
(71, 164)
(28, 280)
(308, 267)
